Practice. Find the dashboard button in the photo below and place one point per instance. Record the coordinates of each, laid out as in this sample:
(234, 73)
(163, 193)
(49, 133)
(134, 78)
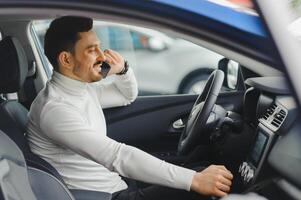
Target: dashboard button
(242, 167)
(250, 175)
(245, 172)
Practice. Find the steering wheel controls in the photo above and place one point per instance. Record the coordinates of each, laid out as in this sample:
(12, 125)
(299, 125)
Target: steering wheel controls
(246, 172)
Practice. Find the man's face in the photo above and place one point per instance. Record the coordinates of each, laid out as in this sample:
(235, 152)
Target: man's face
(87, 58)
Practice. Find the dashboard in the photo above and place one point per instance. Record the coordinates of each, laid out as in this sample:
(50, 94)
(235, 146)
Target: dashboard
(271, 111)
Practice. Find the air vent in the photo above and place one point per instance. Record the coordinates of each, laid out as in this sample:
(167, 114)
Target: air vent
(274, 116)
(269, 111)
(278, 118)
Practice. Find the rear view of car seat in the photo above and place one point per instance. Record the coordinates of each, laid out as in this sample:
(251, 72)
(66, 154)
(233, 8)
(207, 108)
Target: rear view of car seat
(13, 115)
(21, 183)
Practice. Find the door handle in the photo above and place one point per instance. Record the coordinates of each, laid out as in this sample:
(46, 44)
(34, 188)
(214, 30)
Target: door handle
(178, 124)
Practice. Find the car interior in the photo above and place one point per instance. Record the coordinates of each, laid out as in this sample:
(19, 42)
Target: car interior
(252, 129)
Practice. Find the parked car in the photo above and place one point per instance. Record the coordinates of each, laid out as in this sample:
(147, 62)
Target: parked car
(252, 126)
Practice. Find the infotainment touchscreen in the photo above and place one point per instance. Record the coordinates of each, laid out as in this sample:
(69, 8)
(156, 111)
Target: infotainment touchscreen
(258, 148)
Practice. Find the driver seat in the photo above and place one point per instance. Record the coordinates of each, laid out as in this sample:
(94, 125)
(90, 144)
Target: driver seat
(45, 181)
(13, 115)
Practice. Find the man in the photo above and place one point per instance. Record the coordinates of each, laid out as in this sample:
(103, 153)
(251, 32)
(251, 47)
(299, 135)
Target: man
(68, 129)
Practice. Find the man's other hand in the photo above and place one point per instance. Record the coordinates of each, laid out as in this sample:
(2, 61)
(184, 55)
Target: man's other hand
(215, 180)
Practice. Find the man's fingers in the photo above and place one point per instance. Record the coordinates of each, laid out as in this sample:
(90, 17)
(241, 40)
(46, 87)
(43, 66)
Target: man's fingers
(223, 187)
(220, 167)
(225, 181)
(109, 59)
(223, 171)
(220, 193)
(215, 180)
(227, 174)
(112, 54)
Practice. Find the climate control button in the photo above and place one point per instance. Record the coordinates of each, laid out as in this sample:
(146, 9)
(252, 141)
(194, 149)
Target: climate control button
(242, 167)
(246, 172)
(250, 175)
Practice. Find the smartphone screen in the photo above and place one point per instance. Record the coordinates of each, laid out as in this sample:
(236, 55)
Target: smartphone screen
(105, 68)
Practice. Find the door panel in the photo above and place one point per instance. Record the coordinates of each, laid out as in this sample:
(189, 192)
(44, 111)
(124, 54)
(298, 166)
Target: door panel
(147, 123)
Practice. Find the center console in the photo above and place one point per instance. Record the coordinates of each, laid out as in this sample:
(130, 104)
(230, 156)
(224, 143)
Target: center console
(250, 168)
(269, 110)
(265, 136)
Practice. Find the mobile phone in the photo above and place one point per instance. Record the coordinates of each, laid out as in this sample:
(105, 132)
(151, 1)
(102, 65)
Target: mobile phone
(105, 68)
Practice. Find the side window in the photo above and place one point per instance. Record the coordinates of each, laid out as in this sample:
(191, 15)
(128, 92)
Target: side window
(121, 38)
(114, 37)
(163, 64)
(139, 40)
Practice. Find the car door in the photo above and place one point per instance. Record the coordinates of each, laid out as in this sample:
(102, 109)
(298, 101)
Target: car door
(150, 123)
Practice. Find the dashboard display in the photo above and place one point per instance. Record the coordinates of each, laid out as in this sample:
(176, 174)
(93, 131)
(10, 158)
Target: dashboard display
(258, 148)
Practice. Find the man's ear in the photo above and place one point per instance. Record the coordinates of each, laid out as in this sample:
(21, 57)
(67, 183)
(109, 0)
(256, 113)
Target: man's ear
(65, 60)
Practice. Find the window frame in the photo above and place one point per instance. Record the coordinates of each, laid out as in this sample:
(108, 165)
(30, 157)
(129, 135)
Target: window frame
(40, 50)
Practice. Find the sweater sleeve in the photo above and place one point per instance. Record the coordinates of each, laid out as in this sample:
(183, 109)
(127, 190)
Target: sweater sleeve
(122, 91)
(65, 126)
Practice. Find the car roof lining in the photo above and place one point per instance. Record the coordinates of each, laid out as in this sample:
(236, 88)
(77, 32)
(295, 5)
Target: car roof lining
(48, 13)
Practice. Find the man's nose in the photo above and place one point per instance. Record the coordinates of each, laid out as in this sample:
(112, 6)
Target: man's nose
(101, 56)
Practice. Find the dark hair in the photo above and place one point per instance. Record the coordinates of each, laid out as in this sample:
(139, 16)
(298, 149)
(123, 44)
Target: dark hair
(62, 35)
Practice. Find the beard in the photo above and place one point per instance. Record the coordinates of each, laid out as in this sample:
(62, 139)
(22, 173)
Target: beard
(92, 75)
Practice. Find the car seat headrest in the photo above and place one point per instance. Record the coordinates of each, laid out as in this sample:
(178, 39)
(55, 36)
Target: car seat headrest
(13, 65)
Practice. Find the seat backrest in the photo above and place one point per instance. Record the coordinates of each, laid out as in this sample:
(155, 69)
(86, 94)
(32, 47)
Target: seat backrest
(13, 175)
(13, 115)
(13, 71)
(19, 182)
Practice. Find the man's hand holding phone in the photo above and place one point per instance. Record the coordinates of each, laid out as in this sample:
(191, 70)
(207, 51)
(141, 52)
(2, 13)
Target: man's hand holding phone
(113, 64)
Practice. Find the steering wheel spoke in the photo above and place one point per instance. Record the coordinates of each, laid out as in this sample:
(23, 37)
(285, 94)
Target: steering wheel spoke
(197, 120)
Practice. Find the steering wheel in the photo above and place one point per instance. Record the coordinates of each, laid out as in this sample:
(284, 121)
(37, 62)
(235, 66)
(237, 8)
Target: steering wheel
(197, 120)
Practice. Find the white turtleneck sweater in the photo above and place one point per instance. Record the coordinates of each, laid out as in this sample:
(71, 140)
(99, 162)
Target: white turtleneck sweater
(67, 128)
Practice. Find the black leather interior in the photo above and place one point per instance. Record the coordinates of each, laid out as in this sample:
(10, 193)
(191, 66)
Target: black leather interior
(13, 65)
(13, 118)
(13, 115)
(8, 125)
(17, 113)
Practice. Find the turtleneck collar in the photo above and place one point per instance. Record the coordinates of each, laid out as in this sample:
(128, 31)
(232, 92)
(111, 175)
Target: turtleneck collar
(69, 85)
